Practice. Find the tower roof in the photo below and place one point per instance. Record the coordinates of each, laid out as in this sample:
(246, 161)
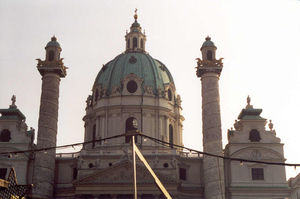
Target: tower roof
(53, 43)
(12, 113)
(208, 42)
(135, 27)
(250, 113)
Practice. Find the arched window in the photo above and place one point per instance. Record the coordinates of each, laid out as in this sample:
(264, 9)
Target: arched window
(3, 172)
(171, 135)
(131, 124)
(128, 43)
(209, 55)
(142, 44)
(51, 55)
(94, 135)
(254, 136)
(5, 136)
(134, 42)
(97, 94)
(169, 95)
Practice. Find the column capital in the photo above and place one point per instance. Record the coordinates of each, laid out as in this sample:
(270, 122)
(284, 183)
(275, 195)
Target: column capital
(207, 66)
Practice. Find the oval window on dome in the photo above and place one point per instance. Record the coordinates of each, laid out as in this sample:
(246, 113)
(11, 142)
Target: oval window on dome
(132, 86)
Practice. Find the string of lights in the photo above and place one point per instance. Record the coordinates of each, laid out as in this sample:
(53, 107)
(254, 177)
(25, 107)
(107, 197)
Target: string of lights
(161, 142)
(241, 160)
(61, 147)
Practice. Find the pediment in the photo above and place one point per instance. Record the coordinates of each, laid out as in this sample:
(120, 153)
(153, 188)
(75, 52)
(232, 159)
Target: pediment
(123, 173)
(257, 153)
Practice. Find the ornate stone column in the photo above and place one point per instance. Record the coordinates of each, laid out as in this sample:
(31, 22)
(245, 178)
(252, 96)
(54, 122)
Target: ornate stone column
(51, 70)
(209, 71)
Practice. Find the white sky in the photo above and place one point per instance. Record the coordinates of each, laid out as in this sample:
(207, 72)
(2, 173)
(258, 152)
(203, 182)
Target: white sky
(259, 41)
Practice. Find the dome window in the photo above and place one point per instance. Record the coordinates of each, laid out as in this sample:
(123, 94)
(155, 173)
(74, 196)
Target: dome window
(209, 55)
(97, 94)
(171, 136)
(132, 60)
(51, 55)
(254, 136)
(182, 173)
(94, 135)
(142, 44)
(5, 136)
(135, 43)
(170, 95)
(132, 86)
(128, 43)
(131, 125)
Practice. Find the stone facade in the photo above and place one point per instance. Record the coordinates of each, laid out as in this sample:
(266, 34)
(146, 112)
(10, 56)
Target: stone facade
(250, 140)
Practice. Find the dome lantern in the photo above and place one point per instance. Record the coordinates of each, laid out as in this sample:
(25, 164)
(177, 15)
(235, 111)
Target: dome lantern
(53, 49)
(135, 39)
(208, 49)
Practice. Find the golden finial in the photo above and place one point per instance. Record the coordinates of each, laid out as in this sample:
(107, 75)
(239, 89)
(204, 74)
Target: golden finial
(135, 16)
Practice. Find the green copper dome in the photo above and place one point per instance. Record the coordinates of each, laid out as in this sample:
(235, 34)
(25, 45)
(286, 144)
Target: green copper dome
(53, 43)
(208, 42)
(154, 73)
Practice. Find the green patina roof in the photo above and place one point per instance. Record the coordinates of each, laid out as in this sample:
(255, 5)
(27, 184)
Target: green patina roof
(53, 43)
(152, 71)
(250, 114)
(208, 42)
(11, 114)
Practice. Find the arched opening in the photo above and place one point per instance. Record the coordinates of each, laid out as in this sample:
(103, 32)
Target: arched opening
(51, 55)
(209, 55)
(134, 43)
(171, 135)
(97, 94)
(128, 43)
(5, 136)
(131, 124)
(94, 135)
(3, 172)
(254, 136)
(169, 95)
(142, 44)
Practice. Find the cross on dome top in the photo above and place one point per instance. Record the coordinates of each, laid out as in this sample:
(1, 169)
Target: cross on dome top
(135, 16)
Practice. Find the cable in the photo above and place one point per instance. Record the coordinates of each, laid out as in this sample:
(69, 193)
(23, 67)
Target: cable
(163, 143)
(59, 147)
(223, 157)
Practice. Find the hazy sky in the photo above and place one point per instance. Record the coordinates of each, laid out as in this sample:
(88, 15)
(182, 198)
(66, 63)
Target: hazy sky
(258, 39)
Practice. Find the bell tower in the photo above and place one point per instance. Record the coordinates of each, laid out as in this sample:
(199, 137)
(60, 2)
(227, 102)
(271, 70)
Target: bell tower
(51, 70)
(209, 70)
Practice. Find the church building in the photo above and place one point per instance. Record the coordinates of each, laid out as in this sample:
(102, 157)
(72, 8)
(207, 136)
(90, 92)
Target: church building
(136, 92)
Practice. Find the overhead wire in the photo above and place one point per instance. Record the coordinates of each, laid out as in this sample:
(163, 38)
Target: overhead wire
(161, 142)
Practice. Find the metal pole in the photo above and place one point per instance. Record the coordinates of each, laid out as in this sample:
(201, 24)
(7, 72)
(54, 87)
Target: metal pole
(134, 167)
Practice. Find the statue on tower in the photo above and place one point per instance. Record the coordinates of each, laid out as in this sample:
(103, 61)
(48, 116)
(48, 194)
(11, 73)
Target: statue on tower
(248, 102)
(13, 102)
